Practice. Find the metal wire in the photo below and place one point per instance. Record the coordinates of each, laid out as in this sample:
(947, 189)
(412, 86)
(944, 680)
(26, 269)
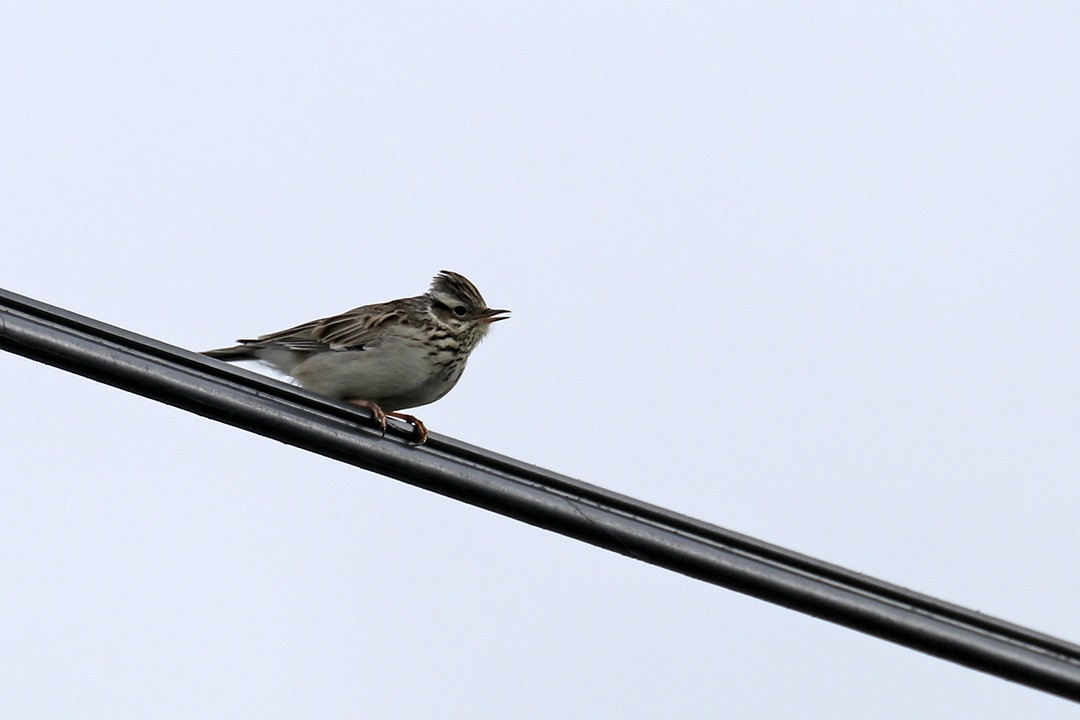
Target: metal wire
(537, 496)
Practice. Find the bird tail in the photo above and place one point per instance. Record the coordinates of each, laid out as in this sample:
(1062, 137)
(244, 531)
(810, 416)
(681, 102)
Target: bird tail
(229, 354)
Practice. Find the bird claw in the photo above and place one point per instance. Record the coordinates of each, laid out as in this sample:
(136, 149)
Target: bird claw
(421, 429)
(377, 413)
(379, 416)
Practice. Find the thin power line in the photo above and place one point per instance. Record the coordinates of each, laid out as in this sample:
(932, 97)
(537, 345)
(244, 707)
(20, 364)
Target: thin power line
(537, 496)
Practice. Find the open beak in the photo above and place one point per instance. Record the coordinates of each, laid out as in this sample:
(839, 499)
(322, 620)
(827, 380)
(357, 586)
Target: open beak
(490, 316)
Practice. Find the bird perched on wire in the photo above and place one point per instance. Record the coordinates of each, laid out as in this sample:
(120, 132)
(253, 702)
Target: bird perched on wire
(385, 357)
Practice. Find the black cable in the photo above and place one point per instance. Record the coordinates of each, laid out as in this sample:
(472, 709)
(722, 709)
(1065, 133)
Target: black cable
(537, 496)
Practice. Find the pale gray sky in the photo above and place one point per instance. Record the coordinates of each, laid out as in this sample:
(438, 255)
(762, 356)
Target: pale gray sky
(807, 272)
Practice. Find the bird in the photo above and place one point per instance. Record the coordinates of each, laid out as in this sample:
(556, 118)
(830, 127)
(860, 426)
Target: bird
(384, 357)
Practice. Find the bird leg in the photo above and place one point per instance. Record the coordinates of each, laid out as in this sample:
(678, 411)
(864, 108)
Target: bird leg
(421, 429)
(377, 413)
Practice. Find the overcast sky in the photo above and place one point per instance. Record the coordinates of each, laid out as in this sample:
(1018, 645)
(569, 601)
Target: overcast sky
(808, 272)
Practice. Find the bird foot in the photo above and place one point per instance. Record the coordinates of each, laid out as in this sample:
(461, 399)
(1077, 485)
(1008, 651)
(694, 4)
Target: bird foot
(421, 429)
(379, 416)
(377, 413)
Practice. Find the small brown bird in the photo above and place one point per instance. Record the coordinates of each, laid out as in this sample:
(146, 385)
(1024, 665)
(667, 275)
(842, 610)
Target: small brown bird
(385, 357)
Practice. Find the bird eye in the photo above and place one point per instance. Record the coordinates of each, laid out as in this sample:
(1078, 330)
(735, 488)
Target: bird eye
(459, 310)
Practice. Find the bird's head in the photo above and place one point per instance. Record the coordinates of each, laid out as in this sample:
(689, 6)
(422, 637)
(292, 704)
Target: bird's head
(457, 303)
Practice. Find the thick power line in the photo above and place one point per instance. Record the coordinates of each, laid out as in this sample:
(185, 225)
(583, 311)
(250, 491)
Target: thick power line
(537, 496)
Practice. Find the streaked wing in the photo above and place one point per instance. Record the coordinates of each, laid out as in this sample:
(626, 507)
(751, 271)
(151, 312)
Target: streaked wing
(356, 328)
(300, 338)
(351, 330)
